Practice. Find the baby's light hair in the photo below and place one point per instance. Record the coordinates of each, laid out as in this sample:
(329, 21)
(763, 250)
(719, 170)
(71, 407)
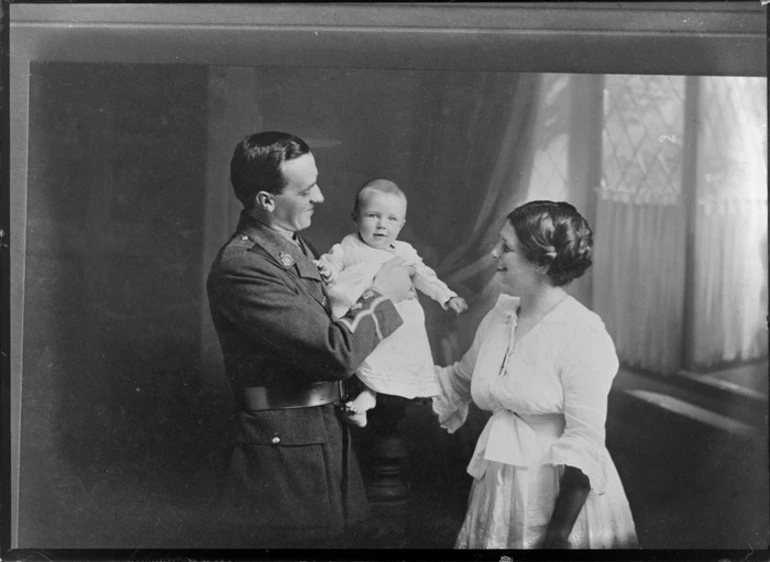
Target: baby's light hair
(379, 185)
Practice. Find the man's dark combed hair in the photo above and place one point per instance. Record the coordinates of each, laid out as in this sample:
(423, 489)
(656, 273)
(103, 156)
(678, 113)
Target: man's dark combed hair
(256, 163)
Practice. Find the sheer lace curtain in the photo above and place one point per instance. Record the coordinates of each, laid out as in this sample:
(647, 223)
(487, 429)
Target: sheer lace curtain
(730, 313)
(640, 282)
(639, 279)
(639, 274)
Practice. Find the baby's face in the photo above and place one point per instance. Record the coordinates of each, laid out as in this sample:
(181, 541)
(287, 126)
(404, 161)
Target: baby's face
(380, 218)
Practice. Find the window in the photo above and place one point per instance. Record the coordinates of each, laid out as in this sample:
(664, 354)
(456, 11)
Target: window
(665, 172)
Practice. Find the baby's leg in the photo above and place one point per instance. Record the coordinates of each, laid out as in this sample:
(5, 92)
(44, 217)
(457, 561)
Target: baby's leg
(358, 407)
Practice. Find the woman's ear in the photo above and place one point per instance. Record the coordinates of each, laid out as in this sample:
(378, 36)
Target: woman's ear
(265, 201)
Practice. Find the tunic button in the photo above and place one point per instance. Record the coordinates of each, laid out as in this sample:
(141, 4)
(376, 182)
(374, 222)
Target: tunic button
(244, 238)
(276, 440)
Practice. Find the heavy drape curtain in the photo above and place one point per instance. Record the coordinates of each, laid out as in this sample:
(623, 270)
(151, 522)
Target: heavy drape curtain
(470, 266)
(456, 142)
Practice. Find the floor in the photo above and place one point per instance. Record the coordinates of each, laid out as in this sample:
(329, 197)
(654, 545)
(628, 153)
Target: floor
(753, 376)
(693, 456)
(692, 482)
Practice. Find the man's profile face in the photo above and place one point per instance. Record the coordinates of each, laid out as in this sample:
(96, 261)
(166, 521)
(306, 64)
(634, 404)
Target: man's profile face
(294, 205)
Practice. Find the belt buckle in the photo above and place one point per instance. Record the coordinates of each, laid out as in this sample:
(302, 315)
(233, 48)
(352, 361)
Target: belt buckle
(343, 391)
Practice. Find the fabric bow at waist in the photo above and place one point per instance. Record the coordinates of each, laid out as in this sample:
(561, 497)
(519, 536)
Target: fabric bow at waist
(515, 439)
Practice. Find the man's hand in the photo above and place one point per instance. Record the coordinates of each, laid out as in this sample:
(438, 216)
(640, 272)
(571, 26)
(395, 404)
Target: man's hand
(393, 281)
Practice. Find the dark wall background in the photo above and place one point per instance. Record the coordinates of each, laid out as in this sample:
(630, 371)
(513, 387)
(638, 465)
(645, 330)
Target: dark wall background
(112, 292)
(121, 443)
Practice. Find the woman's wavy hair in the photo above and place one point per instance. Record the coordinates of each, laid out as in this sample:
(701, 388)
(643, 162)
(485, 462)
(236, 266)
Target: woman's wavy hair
(554, 234)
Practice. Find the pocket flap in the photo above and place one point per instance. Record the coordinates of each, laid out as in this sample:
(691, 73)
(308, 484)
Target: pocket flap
(291, 426)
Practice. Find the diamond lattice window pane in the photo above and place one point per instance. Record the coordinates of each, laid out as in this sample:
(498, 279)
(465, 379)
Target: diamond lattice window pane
(642, 139)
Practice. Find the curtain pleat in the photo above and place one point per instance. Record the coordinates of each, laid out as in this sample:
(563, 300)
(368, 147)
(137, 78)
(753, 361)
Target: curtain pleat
(470, 265)
(638, 286)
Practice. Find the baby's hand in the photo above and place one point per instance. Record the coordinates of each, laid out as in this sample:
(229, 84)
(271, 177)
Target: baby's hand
(324, 269)
(457, 304)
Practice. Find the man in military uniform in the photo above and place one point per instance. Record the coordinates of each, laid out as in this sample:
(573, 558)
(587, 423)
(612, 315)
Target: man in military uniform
(292, 472)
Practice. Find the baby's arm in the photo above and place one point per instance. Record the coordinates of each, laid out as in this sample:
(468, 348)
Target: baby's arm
(457, 305)
(426, 281)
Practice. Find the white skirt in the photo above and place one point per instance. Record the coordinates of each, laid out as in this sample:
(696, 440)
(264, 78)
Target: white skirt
(510, 506)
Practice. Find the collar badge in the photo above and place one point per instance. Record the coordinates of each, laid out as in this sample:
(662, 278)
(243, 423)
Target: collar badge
(286, 259)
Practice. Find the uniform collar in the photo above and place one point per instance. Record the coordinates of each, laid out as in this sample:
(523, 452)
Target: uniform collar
(282, 250)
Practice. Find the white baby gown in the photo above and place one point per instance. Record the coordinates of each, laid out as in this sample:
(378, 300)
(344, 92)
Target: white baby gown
(402, 365)
(548, 396)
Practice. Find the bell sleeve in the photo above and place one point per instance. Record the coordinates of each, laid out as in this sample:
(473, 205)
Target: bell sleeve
(588, 367)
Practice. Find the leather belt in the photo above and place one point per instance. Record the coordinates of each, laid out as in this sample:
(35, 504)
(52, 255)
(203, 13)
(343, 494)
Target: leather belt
(276, 398)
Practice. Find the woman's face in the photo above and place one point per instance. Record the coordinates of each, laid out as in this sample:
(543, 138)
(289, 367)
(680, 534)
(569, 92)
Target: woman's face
(514, 272)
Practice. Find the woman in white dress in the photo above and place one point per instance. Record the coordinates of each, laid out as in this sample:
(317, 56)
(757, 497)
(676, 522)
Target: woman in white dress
(543, 364)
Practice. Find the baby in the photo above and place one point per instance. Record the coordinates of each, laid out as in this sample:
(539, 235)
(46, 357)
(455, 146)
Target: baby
(402, 365)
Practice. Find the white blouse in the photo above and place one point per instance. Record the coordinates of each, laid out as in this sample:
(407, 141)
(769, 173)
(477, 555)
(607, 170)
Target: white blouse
(547, 392)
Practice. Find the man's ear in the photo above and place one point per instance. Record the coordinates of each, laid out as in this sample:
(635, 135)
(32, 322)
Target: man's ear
(265, 201)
